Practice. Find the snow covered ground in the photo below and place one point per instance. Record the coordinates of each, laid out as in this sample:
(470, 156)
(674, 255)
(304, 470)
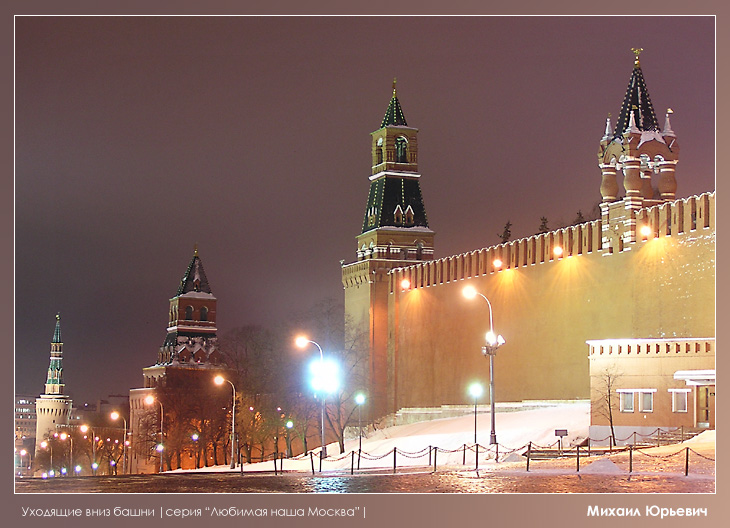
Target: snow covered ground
(513, 429)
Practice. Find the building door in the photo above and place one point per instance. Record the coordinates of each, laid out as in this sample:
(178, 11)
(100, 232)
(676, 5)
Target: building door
(706, 406)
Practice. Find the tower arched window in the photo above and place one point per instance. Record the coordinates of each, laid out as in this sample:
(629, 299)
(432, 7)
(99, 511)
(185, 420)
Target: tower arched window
(379, 152)
(188, 313)
(401, 150)
(204, 314)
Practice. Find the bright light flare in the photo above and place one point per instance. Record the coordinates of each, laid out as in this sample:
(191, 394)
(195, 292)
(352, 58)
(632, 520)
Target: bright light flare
(325, 376)
(645, 231)
(160, 448)
(558, 251)
(497, 263)
(469, 292)
(149, 400)
(405, 284)
(476, 390)
(359, 398)
(219, 380)
(114, 415)
(493, 339)
(301, 341)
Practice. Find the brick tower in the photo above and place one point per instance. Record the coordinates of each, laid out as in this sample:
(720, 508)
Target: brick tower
(394, 233)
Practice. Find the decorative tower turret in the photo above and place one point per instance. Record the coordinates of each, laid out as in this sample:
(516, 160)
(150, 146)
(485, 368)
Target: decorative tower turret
(637, 148)
(394, 233)
(53, 408)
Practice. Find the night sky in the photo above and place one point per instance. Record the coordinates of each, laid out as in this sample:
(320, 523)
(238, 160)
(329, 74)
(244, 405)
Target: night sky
(137, 138)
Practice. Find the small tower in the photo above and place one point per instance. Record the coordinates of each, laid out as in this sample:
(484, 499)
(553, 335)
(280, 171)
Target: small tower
(637, 148)
(53, 408)
(395, 233)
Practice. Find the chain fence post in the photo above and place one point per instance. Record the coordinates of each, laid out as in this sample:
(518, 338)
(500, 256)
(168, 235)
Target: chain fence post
(631, 459)
(577, 459)
(529, 448)
(435, 452)
(476, 447)
(311, 458)
(686, 461)
(395, 451)
(352, 464)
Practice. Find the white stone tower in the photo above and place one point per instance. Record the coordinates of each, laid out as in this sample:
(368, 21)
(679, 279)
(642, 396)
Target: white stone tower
(53, 408)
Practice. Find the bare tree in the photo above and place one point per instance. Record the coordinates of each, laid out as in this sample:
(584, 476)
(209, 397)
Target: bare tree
(604, 399)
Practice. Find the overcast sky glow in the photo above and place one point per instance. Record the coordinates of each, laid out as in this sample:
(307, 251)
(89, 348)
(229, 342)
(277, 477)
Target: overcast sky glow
(138, 137)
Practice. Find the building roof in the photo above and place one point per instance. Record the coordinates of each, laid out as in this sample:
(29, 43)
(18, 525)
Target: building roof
(394, 113)
(194, 279)
(386, 195)
(636, 102)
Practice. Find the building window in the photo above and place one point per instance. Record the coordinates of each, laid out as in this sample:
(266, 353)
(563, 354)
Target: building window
(626, 401)
(679, 400)
(188, 313)
(646, 402)
(203, 314)
(401, 150)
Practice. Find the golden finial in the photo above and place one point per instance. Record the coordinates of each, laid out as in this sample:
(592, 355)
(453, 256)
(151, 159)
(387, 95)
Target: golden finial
(195, 254)
(394, 81)
(58, 316)
(637, 52)
(670, 111)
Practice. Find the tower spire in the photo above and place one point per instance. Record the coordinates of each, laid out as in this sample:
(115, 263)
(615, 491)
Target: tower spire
(54, 380)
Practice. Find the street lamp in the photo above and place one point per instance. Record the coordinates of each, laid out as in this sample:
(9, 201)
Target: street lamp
(476, 390)
(359, 400)
(289, 424)
(494, 341)
(149, 400)
(63, 436)
(115, 416)
(84, 429)
(219, 380)
(324, 379)
(46, 444)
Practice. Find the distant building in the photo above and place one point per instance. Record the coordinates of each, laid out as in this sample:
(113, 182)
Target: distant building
(643, 270)
(182, 378)
(53, 407)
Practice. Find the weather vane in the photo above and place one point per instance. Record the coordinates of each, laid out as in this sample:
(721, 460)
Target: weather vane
(394, 81)
(637, 52)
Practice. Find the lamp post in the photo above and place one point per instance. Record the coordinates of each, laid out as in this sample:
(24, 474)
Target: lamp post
(63, 437)
(85, 429)
(149, 400)
(359, 400)
(219, 381)
(489, 350)
(324, 380)
(115, 416)
(289, 425)
(476, 390)
(46, 444)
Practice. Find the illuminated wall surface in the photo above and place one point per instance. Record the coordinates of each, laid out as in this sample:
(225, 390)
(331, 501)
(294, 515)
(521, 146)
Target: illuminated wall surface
(660, 285)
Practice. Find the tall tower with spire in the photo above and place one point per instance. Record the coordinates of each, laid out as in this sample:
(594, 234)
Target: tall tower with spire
(53, 407)
(181, 380)
(642, 152)
(395, 233)
(191, 341)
